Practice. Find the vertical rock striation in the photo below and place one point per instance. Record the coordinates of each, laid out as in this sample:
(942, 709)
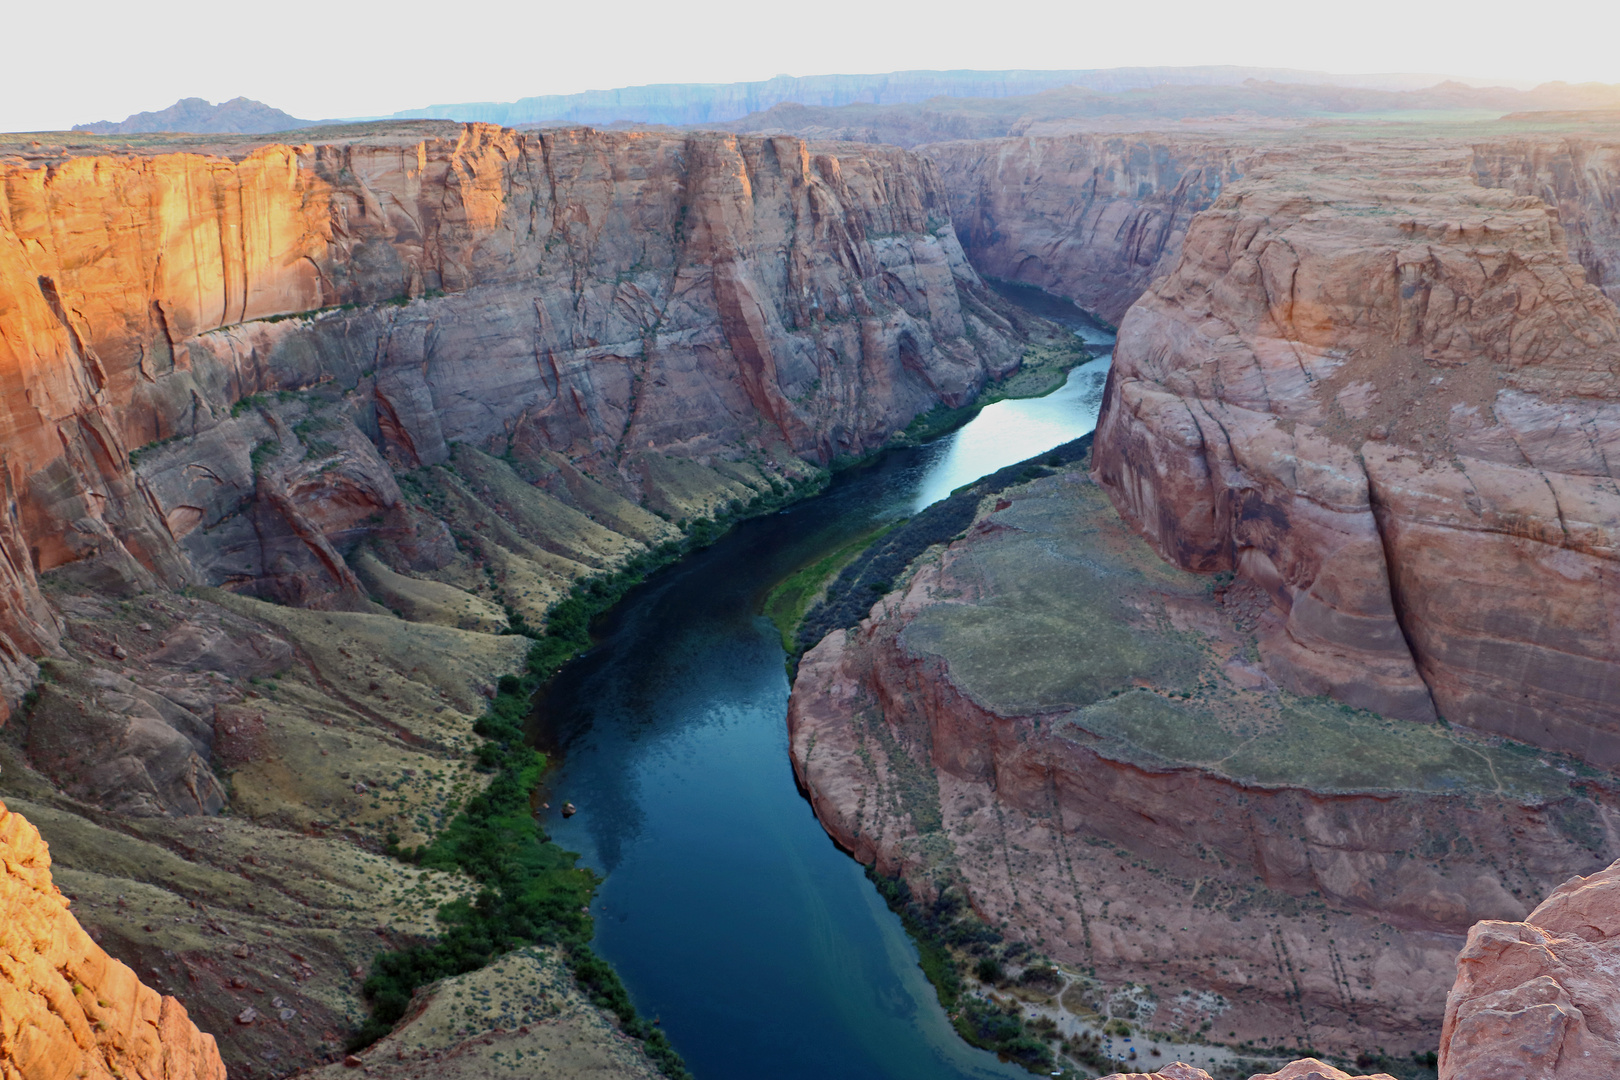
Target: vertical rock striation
(1095, 218)
(1387, 401)
(612, 298)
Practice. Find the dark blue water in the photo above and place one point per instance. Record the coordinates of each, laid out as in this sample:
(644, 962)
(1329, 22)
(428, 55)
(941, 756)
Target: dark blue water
(728, 912)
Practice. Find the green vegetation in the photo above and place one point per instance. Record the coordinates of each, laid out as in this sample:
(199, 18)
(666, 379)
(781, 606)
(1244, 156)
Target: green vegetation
(1322, 744)
(946, 930)
(791, 597)
(568, 621)
(139, 452)
(530, 890)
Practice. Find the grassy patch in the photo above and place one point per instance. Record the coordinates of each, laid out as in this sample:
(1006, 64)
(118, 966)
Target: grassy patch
(873, 570)
(791, 597)
(1317, 743)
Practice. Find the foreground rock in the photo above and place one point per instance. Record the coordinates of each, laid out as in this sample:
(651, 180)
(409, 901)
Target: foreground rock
(67, 1009)
(1538, 999)
(1081, 738)
(1304, 1069)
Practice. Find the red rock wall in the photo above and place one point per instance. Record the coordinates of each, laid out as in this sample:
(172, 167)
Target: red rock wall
(607, 294)
(1580, 177)
(1095, 218)
(1387, 401)
(67, 1009)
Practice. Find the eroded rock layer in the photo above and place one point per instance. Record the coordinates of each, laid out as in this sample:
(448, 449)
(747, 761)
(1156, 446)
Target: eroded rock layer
(67, 1009)
(1388, 402)
(1083, 738)
(612, 299)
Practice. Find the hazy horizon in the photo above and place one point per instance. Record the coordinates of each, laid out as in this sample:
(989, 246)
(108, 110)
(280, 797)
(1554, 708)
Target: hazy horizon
(368, 58)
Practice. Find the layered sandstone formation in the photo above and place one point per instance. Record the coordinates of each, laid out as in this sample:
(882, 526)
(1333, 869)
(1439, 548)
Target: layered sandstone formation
(1386, 400)
(1093, 217)
(67, 1009)
(613, 299)
(1084, 740)
(1538, 999)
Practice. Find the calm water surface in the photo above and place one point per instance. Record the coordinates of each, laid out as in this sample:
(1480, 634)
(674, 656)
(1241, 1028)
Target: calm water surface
(729, 913)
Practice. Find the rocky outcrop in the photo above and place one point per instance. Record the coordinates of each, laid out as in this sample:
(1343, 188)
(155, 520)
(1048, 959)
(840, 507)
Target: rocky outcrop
(67, 1009)
(1384, 401)
(1304, 1069)
(1093, 217)
(1537, 999)
(1083, 740)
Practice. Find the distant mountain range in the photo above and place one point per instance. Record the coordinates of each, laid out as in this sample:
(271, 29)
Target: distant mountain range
(901, 106)
(241, 116)
(716, 103)
(1068, 109)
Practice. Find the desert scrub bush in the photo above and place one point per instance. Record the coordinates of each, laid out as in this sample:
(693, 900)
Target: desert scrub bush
(943, 928)
(530, 890)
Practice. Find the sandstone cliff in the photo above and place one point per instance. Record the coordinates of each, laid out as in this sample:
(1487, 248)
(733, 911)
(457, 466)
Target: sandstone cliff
(1082, 738)
(623, 301)
(1385, 402)
(67, 1009)
(1096, 218)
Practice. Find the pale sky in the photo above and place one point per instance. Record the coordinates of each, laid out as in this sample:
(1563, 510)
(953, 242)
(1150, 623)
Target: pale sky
(104, 59)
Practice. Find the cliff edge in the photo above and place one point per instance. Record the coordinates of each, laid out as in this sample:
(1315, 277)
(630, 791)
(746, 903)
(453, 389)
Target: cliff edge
(1384, 395)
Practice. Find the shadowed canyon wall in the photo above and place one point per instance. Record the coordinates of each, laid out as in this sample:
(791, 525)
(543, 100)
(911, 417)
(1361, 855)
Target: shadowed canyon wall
(1095, 218)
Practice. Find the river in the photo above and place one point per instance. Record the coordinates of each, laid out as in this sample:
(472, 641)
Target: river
(732, 918)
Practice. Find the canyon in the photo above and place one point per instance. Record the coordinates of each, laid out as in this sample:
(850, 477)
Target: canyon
(295, 434)
(1298, 682)
(1172, 718)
